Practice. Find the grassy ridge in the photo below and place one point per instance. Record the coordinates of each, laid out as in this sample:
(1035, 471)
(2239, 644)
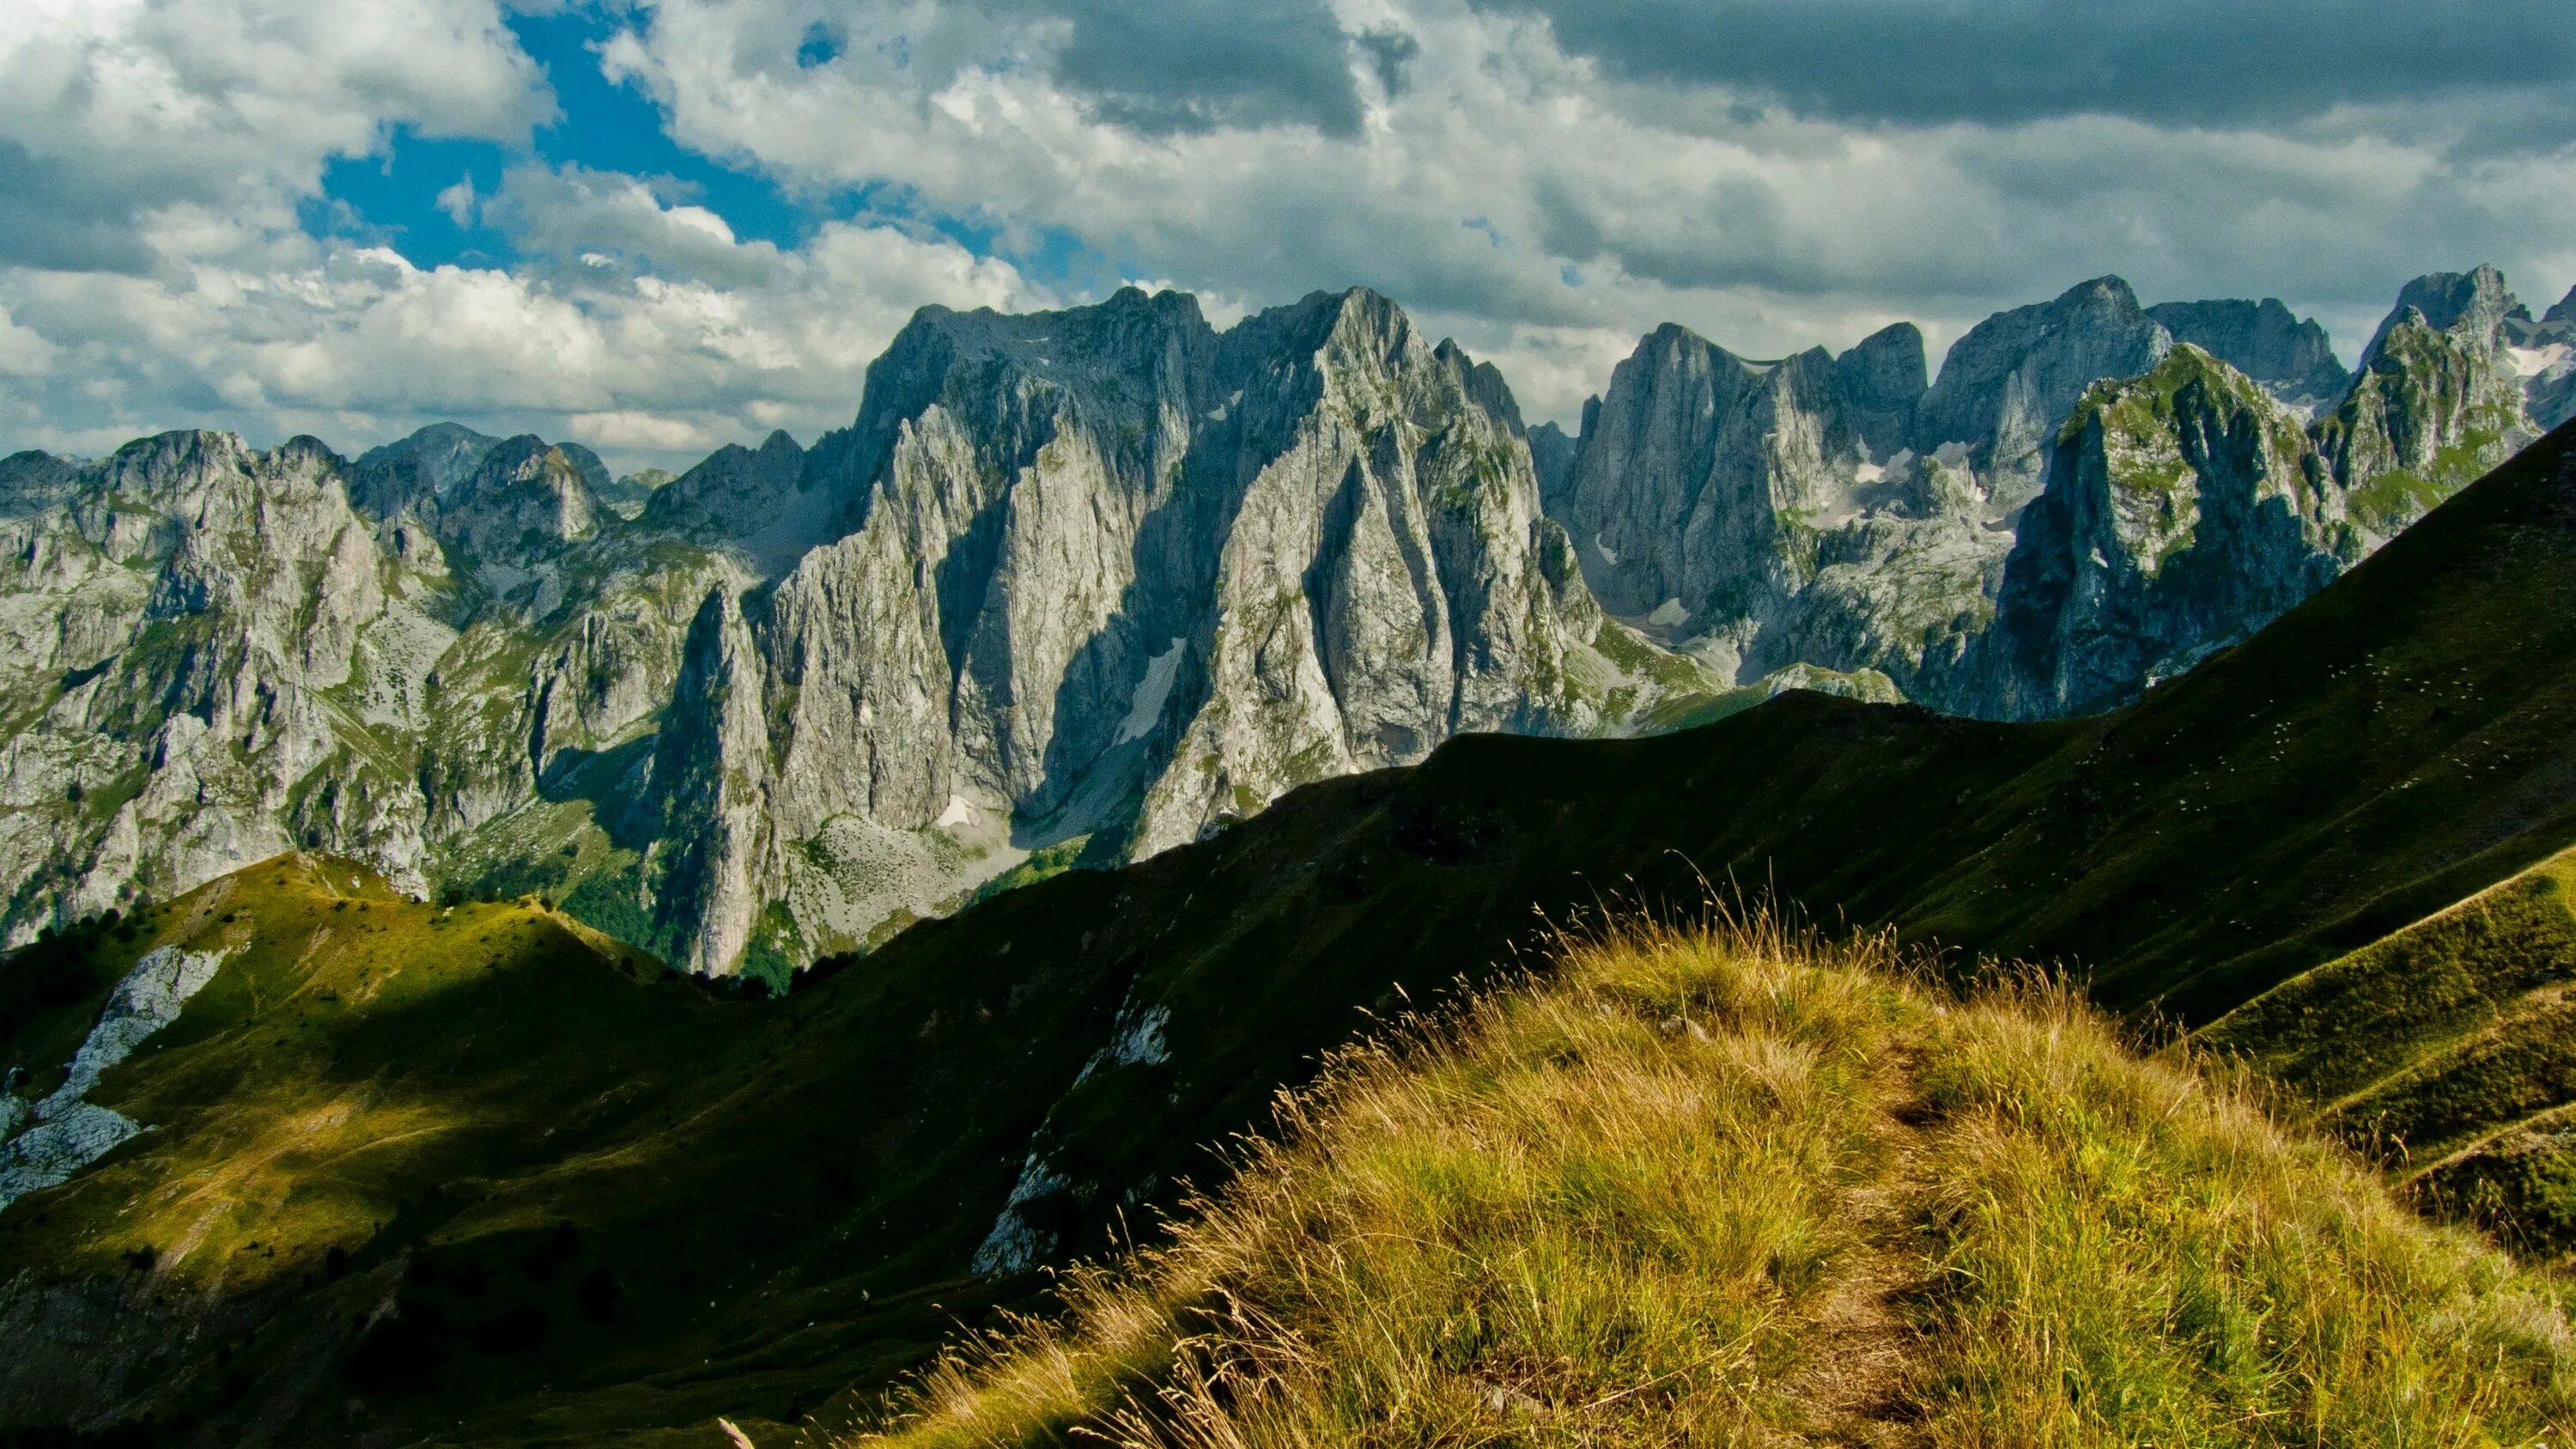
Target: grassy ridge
(1727, 1187)
(477, 1175)
(2447, 1051)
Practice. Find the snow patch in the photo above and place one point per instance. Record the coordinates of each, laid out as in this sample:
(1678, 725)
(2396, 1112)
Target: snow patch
(71, 1132)
(2533, 361)
(1869, 472)
(957, 813)
(1668, 615)
(1146, 706)
(1601, 546)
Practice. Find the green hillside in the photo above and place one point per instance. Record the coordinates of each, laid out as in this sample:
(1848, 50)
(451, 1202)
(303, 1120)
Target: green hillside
(2448, 1052)
(786, 1196)
(1721, 1188)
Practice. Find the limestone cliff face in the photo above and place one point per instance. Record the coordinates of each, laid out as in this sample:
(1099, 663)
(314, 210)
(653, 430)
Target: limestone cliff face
(1108, 578)
(188, 628)
(1769, 513)
(219, 654)
(2544, 356)
(2289, 355)
(756, 500)
(2180, 514)
(1112, 574)
(1097, 573)
(1752, 512)
(2439, 401)
(2010, 381)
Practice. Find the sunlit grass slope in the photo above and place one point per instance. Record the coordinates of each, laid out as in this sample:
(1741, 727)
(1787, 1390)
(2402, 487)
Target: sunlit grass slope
(2447, 1052)
(477, 1175)
(1730, 1187)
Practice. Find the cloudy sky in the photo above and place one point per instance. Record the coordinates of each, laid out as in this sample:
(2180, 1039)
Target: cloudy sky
(659, 227)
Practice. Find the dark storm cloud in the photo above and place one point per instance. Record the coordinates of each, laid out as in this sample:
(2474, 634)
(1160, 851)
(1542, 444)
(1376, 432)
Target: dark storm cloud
(1197, 65)
(2168, 62)
(53, 221)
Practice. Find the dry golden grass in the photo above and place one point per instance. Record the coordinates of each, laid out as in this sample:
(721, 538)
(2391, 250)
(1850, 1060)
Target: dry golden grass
(1727, 1185)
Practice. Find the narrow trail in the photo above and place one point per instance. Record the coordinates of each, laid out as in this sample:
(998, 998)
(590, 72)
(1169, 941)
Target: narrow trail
(1853, 1388)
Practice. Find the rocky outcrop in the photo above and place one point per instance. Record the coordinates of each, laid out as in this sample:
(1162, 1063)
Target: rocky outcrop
(1766, 513)
(1552, 452)
(179, 628)
(1099, 575)
(1877, 386)
(2544, 357)
(1106, 579)
(753, 499)
(1114, 572)
(2438, 402)
(2474, 306)
(65, 1131)
(219, 654)
(2010, 381)
(1835, 513)
(2180, 515)
(2289, 355)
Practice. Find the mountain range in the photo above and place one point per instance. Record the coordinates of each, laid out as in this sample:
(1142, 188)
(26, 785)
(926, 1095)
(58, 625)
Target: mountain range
(1079, 587)
(301, 1159)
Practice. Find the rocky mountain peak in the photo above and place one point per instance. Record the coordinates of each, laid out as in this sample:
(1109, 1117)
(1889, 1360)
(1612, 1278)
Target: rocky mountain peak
(32, 481)
(520, 505)
(2473, 305)
(414, 471)
(2290, 355)
(1879, 382)
(760, 500)
(2177, 517)
(2007, 383)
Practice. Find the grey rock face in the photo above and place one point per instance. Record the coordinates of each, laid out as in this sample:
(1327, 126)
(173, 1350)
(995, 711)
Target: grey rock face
(2550, 394)
(1742, 509)
(2289, 355)
(2007, 384)
(1102, 572)
(1108, 575)
(1114, 572)
(2474, 306)
(415, 471)
(177, 626)
(2544, 356)
(1750, 511)
(66, 1132)
(217, 656)
(1552, 453)
(754, 499)
(1878, 384)
(2180, 515)
(629, 494)
(2435, 405)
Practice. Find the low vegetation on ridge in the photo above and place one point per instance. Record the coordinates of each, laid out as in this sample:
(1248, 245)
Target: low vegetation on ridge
(1731, 1185)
